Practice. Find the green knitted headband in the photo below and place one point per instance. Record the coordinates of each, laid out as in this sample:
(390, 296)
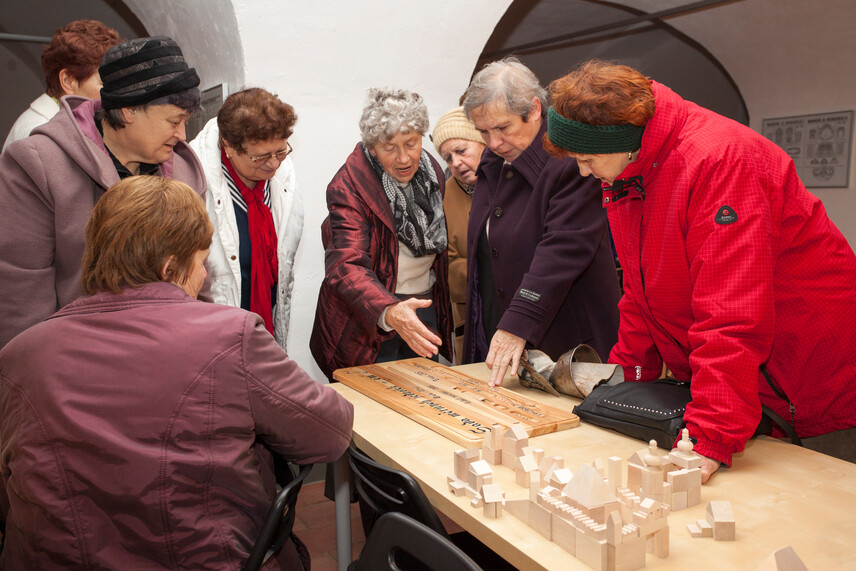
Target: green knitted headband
(588, 139)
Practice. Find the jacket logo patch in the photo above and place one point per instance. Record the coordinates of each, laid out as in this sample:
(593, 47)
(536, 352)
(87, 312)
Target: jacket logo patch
(725, 215)
(529, 295)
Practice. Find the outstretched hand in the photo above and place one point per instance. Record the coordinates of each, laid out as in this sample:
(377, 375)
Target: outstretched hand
(708, 467)
(403, 319)
(505, 351)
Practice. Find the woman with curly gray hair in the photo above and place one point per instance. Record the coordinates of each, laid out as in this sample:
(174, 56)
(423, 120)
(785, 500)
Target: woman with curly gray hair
(385, 295)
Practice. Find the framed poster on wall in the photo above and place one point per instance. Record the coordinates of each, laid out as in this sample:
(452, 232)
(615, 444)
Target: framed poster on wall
(820, 146)
(212, 100)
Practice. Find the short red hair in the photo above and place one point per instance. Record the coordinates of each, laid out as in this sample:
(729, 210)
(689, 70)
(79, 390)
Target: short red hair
(77, 47)
(601, 93)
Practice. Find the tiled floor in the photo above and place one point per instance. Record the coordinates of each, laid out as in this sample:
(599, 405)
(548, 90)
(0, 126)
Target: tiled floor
(315, 525)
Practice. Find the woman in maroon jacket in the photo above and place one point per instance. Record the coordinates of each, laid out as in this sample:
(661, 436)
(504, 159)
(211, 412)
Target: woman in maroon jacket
(137, 423)
(385, 295)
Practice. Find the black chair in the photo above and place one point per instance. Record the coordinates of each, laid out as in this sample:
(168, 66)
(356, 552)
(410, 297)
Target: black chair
(279, 520)
(395, 534)
(381, 490)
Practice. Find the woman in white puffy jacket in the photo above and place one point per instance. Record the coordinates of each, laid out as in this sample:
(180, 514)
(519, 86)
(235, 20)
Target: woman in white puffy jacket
(253, 203)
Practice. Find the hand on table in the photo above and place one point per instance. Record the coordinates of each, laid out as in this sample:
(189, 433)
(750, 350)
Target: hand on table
(403, 319)
(505, 351)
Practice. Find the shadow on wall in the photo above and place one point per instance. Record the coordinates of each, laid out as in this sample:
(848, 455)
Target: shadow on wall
(654, 48)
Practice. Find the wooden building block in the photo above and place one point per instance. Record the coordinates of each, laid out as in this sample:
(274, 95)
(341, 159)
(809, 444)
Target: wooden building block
(694, 530)
(626, 556)
(523, 470)
(687, 462)
(513, 441)
(549, 463)
(693, 496)
(457, 487)
(492, 456)
(661, 543)
(679, 501)
(494, 439)
(652, 482)
(463, 459)
(705, 528)
(784, 559)
(560, 478)
(492, 510)
(492, 493)
(563, 533)
(599, 466)
(679, 479)
(534, 485)
(613, 472)
(721, 518)
(519, 509)
(479, 474)
(537, 454)
(591, 551)
(634, 477)
(540, 519)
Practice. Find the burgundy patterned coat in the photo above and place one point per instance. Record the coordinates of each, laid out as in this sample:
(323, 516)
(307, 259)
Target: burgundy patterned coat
(361, 258)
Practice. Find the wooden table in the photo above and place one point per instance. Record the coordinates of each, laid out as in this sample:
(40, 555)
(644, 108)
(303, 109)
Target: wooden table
(781, 494)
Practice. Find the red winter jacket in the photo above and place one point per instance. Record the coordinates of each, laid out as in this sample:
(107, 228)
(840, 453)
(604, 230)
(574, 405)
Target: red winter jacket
(361, 260)
(729, 263)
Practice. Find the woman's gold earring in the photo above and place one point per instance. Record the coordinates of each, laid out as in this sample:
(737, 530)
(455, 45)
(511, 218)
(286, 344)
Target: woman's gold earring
(629, 155)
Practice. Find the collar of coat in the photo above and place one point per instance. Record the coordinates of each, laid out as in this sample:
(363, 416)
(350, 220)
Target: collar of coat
(529, 164)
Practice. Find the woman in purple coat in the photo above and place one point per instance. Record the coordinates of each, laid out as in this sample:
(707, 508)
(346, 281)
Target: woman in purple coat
(137, 424)
(543, 275)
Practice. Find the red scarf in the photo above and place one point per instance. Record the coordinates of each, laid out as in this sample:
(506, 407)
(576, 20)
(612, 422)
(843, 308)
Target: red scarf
(263, 265)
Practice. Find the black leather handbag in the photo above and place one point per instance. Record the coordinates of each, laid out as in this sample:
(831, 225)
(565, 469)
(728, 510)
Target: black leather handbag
(655, 410)
(645, 411)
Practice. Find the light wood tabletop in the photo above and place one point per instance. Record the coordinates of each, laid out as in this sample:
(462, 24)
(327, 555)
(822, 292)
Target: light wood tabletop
(780, 494)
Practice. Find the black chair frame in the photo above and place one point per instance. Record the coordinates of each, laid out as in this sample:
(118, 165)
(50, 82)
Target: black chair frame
(279, 520)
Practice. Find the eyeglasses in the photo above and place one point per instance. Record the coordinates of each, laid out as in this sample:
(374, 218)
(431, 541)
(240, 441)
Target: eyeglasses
(280, 155)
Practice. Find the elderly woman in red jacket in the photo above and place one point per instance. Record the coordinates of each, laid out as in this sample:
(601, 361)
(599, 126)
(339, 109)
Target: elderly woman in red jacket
(137, 424)
(734, 276)
(385, 294)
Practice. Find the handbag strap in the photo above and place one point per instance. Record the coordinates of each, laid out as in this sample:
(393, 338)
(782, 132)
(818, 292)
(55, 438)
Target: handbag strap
(786, 427)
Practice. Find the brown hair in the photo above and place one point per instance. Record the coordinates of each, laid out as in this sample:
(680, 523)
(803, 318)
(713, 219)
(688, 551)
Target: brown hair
(77, 47)
(136, 227)
(601, 93)
(254, 115)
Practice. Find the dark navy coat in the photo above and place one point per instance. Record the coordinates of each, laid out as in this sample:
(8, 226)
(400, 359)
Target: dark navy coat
(553, 268)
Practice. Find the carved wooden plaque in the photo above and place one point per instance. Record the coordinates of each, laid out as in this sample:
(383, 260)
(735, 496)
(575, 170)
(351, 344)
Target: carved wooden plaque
(459, 407)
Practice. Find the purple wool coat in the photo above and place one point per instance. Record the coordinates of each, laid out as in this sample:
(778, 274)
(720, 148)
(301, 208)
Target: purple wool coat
(553, 269)
(136, 432)
(361, 259)
(49, 183)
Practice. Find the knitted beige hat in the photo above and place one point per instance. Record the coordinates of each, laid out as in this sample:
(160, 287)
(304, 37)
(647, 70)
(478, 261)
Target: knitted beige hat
(454, 125)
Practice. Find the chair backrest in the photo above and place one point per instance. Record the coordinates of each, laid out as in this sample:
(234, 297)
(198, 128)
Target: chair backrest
(278, 522)
(395, 535)
(382, 490)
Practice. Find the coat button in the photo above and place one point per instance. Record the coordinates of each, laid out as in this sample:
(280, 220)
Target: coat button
(494, 253)
(234, 257)
(500, 293)
(509, 174)
(497, 212)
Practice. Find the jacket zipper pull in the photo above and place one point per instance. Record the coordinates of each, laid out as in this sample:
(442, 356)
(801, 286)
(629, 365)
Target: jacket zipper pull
(638, 373)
